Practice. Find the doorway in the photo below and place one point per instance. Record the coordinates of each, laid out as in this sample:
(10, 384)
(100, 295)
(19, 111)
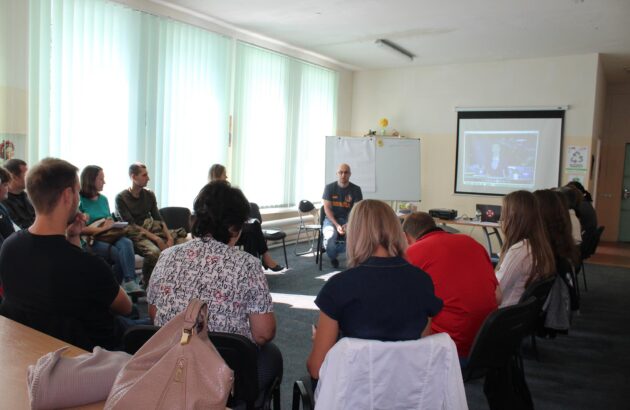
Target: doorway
(624, 212)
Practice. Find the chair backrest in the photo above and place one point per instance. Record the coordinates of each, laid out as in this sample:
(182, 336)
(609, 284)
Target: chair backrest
(304, 208)
(254, 211)
(239, 353)
(539, 290)
(359, 374)
(597, 237)
(176, 217)
(136, 336)
(499, 337)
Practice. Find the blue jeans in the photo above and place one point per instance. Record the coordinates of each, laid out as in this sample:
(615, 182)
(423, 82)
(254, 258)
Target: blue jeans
(330, 234)
(121, 254)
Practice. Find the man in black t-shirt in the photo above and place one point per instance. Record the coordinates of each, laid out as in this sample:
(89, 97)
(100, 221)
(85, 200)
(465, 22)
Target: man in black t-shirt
(50, 284)
(339, 197)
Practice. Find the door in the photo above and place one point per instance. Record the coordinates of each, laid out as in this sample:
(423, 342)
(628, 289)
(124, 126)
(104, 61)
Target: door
(624, 214)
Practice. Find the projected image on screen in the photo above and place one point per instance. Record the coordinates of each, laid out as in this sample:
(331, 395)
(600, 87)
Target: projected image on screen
(500, 158)
(502, 151)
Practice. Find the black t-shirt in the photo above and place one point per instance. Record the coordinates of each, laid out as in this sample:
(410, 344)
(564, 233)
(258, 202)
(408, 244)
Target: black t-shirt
(20, 209)
(55, 287)
(382, 299)
(342, 199)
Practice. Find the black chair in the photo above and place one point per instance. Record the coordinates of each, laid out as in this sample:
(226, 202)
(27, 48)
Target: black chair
(306, 209)
(302, 394)
(239, 353)
(590, 242)
(539, 290)
(176, 217)
(495, 355)
(269, 234)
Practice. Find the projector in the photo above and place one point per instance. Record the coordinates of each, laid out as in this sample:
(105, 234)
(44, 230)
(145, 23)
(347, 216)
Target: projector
(443, 213)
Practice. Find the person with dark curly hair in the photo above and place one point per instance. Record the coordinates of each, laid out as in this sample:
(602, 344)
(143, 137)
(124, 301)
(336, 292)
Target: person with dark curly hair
(212, 269)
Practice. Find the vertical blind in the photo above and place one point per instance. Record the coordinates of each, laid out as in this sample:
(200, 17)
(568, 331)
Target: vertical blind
(110, 85)
(283, 109)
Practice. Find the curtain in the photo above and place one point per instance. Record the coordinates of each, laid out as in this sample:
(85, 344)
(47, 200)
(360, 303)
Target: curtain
(283, 109)
(109, 86)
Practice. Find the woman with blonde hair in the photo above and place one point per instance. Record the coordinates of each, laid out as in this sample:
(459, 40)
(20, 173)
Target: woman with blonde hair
(380, 296)
(526, 254)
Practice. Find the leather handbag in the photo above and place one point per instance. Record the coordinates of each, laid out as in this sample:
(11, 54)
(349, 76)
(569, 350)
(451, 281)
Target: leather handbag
(177, 368)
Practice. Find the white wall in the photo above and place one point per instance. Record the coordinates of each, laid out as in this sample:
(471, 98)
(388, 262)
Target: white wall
(420, 103)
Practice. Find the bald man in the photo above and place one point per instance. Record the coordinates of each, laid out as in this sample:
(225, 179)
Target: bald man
(339, 198)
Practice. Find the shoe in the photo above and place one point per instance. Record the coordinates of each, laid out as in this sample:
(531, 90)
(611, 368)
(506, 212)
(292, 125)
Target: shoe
(131, 287)
(335, 263)
(276, 268)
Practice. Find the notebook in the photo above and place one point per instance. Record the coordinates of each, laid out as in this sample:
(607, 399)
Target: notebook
(489, 213)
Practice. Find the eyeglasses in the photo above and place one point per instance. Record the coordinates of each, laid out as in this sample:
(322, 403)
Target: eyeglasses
(343, 172)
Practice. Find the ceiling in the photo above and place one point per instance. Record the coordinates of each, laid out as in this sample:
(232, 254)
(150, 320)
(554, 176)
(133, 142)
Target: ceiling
(437, 31)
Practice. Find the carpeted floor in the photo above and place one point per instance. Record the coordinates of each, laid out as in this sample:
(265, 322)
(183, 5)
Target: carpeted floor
(587, 369)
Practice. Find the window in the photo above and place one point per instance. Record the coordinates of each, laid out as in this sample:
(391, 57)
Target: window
(110, 86)
(284, 108)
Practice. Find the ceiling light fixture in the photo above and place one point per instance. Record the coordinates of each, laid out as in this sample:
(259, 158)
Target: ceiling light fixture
(384, 43)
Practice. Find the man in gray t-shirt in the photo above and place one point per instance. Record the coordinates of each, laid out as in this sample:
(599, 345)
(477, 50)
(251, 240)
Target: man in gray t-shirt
(339, 197)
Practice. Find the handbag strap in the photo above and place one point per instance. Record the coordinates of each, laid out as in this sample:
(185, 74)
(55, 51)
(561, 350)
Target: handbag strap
(196, 315)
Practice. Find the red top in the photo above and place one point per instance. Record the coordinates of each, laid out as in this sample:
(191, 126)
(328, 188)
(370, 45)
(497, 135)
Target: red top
(464, 279)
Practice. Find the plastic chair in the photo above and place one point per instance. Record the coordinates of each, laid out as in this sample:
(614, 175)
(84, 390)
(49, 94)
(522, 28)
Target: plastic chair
(176, 217)
(307, 209)
(495, 355)
(239, 353)
(360, 373)
(590, 242)
(269, 234)
(540, 291)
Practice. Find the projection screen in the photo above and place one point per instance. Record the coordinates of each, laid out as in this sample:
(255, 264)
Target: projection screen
(503, 151)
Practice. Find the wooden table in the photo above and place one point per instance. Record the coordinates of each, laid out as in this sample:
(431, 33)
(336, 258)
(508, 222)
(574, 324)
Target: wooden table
(21, 346)
(489, 228)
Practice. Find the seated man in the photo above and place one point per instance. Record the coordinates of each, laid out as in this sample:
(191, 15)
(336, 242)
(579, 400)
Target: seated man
(135, 205)
(339, 198)
(462, 275)
(17, 202)
(50, 283)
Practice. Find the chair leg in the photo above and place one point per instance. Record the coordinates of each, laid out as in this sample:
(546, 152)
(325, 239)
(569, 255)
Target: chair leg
(276, 397)
(535, 346)
(284, 247)
(301, 394)
(319, 249)
(584, 277)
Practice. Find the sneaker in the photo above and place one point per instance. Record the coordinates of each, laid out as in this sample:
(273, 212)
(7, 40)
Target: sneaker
(335, 263)
(131, 287)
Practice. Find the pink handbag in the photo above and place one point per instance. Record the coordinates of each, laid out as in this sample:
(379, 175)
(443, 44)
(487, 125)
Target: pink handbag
(178, 368)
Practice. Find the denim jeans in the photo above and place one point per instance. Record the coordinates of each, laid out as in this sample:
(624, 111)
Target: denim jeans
(121, 254)
(332, 245)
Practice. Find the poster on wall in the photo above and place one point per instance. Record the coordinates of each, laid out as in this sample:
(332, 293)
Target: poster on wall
(12, 146)
(577, 158)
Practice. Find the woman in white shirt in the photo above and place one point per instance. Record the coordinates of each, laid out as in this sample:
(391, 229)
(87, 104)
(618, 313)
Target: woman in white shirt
(526, 255)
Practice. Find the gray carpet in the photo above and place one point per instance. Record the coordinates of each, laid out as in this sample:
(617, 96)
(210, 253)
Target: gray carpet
(587, 369)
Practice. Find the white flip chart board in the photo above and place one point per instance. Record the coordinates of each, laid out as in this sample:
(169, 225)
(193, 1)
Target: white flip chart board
(386, 168)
